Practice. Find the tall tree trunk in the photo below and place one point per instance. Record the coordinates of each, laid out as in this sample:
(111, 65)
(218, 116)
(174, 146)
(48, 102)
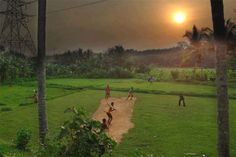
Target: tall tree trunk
(221, 71)
(41, 72)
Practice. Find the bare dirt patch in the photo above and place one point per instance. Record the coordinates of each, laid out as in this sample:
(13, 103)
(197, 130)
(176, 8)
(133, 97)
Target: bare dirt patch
(121, 116)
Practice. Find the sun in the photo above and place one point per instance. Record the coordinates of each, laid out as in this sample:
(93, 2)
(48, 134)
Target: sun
(179, 17)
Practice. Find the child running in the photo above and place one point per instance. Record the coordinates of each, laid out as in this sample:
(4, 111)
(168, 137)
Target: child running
(130, 94)
(107, 92)
(110, 110)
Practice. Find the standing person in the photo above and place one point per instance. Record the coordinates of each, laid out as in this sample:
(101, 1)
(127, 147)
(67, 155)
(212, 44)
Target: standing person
(35, 96)
(104, 125)
(130, 94)
(110, 110)
(181, 100)
(107, 92)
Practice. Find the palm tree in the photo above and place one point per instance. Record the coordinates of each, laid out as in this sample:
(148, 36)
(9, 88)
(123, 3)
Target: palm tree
(197, 38)
(231, 36)
(217, 8)
(42, 115)
(231, 41)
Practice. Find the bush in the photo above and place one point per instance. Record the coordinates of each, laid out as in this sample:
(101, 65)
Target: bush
(25, 104)
(79, 137)
(119, 72)
(175, 74)
(97, 73)
(13, 67)
(2, 104)
(143, 69)
(6, 109)
(23, 137)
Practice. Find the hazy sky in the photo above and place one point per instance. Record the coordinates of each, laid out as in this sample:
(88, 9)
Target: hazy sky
(138, 24)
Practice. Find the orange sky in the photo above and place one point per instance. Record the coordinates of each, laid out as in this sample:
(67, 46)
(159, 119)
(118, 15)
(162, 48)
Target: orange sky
(138, 24)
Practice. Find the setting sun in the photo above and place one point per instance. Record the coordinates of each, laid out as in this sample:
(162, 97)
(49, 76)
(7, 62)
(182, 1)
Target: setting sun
(179, 17)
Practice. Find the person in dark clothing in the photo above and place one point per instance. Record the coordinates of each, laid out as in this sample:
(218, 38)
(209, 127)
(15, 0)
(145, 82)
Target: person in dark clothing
(110, 110)
(181, 100)
(35, 96)
(104, 124)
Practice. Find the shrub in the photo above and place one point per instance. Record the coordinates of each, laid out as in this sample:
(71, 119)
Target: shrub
(2, 104)
(6, 109)
(143, 69)
(25, 104)
(7, 155)
(13, 66)
(118, 72)
(79, 137)
(175, 74)
(23, 137)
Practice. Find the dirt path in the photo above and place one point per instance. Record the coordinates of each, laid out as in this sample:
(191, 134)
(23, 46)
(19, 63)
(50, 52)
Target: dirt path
(121, 116)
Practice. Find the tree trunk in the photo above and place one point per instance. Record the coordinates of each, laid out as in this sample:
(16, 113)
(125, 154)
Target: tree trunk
(221, 74)
(41, 72)
(223, 104)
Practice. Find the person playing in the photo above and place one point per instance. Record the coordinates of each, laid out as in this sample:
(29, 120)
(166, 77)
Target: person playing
(35, 96)
(104, 125)
(130, 94)
(181, 100)
(110, 110)
(107, 92)
(151, 79)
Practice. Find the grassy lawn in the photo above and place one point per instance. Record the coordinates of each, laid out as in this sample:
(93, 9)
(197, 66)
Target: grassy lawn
(26, 117)
(164, 129)
(143, 86)
(161, 127)
(16, 95)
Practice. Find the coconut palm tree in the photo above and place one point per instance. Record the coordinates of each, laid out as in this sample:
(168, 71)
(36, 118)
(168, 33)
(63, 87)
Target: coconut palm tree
(198, 38)
(41, 72)
(231, 41)
(231, 36)
(217, 9)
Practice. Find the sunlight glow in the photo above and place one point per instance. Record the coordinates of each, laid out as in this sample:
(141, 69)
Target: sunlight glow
(179, 17)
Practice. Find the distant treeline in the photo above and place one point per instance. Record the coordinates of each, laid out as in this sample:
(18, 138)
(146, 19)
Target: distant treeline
(116, 62)
(178, 56)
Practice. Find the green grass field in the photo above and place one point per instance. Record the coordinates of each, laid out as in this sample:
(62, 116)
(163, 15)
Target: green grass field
(162, 129)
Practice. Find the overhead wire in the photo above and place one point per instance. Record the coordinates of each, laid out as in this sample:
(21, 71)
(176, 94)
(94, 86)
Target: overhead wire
(77, 6)
(69, 8)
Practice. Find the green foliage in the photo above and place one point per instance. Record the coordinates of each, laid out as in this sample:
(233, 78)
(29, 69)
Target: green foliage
(23, 137)
(8, 155)
(5, 109)
(2, 104)
(81, 137)
(185, 74)
(25, 104)
(175, 74)
(86, 64)
(13, 67)
(142, 68)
